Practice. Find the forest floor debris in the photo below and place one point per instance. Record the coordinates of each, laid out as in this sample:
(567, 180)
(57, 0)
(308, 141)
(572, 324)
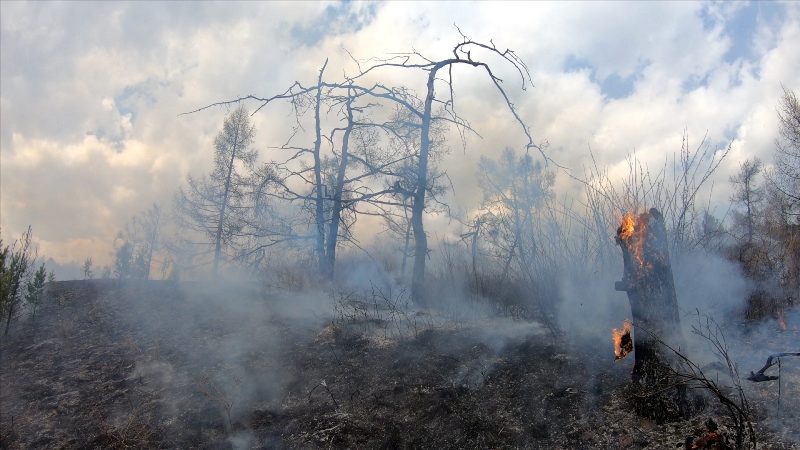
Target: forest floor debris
(146, 365)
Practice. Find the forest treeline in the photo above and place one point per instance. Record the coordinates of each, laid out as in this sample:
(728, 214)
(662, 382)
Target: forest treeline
(362, 150)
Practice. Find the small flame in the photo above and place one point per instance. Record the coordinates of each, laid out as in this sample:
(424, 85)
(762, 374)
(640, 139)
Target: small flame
(627, 228)
(632, 231)
(623, 344)
(779, 314)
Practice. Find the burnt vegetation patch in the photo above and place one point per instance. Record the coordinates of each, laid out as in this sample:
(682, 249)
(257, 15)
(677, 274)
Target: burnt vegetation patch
(148, 365)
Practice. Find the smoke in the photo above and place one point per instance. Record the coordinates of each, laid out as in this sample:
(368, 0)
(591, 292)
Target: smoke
(224, 348)
(214, 351)
(590, 307)
(707, 283)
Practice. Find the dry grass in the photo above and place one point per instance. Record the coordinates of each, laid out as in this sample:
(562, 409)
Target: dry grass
(118, 367)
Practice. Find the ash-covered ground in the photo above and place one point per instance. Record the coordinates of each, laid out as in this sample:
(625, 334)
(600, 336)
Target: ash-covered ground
(234, 366)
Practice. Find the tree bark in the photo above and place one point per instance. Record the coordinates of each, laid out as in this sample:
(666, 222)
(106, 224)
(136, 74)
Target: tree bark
(407, 241)
(649, 283)
(420, 238)
(224, 205)
(650, 286)
(336, 213)
(319, 210)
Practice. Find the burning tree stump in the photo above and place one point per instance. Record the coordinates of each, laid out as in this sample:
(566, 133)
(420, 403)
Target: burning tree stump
(648, 281)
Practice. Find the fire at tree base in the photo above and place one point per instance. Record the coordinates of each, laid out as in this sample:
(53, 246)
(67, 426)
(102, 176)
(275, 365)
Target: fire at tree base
(648, 281)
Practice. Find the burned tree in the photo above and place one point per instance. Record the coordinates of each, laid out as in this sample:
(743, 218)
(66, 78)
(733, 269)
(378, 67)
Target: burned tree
(463, 57)
(648, 281)
(650, 286)
(348, 174)
(425, 113)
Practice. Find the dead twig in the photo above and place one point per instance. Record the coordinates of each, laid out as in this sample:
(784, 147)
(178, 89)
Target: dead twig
(325, 385)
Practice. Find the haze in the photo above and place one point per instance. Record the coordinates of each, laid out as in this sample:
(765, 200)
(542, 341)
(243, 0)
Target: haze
(90, 93)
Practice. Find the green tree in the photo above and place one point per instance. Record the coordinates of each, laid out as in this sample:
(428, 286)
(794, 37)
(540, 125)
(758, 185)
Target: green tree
(17, 261)
(87, 269)
(123, 260)
(35, 289)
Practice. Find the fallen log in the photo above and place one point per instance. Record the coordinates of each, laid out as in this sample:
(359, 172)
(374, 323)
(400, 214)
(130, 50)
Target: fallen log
(772, 360)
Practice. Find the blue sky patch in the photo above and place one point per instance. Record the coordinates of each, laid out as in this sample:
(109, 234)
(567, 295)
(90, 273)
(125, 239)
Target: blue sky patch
(613, 86)
(337, 19)
(742, 28)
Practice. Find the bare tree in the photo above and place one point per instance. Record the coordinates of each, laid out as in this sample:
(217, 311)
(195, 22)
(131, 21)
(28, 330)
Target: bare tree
(152, 221)
(749, 195)
(462, 56)
(403, 179)
(212, 204)
(767, 217)
(672, 189)
(515, 217)
(786, 179)
(138, 242)
(87, 269)
(348, 175)
(304, 98)
(333, 184)
(514, 189)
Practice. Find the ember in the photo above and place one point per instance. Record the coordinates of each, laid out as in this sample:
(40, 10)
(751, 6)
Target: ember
(711, 440)
(623, 344)
(779, 314)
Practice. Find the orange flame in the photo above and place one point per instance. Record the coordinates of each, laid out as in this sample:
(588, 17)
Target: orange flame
(779, 314)
(627, 228)
(632, 232)
(623, 343)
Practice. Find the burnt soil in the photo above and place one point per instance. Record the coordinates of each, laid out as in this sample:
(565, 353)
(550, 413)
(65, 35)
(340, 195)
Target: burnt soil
(148, 365)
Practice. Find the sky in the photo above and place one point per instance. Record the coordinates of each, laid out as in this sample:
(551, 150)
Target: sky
(91, 94)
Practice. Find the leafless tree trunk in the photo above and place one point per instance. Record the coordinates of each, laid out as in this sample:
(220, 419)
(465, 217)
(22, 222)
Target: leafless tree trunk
(153, 221)
(418, 206)
(462, 54)
(407, 241)
(336, 212)
(320, 199)
(460, 51)
(223, 206)
(650, 287)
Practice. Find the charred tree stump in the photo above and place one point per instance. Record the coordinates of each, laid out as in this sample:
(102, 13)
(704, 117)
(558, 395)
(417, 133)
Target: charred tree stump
(648, 281)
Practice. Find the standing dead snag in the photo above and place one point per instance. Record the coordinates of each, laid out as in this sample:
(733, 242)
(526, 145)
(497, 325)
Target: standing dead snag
(462, 56)
(648, 281)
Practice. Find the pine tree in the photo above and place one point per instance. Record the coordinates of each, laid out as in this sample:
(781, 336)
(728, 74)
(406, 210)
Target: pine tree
(35, 289)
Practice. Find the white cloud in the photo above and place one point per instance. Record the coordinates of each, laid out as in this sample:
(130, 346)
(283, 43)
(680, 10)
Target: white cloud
(90, 94)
